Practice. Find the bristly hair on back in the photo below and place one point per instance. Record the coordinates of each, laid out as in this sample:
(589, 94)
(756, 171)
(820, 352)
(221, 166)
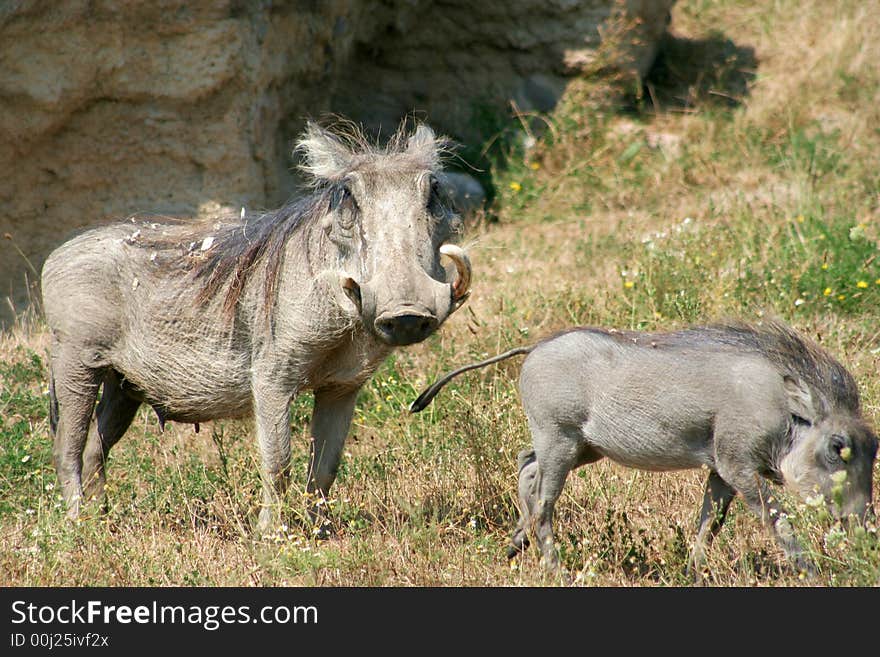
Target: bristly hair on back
(795, 353)
(788, 350)
(240, 246)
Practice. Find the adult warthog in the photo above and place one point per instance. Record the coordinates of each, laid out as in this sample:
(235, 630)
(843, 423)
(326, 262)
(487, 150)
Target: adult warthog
(751, 403)
(234, 316)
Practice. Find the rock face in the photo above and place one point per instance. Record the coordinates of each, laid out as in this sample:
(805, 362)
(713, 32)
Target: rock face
(109, 107)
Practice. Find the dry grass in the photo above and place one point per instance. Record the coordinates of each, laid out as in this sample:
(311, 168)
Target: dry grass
(696, 200)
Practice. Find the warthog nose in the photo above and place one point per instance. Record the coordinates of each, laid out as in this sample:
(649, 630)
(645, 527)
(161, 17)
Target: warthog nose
(400, 330)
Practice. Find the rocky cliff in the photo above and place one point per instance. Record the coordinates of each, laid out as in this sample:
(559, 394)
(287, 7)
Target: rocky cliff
(108, 107)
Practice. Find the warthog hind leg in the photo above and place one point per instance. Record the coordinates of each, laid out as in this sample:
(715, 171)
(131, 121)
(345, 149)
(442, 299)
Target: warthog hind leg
(559, 450)
(528, 472)
(73, 392)
(114, 415)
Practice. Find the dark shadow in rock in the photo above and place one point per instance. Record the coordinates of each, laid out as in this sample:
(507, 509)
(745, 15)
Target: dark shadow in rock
(203, 113)
(690, 74)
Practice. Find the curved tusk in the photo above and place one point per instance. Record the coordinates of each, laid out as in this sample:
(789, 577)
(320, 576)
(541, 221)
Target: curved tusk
(462, 284)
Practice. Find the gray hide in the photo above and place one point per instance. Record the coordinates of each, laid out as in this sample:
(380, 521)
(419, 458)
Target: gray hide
(751, 404)
(235, 315)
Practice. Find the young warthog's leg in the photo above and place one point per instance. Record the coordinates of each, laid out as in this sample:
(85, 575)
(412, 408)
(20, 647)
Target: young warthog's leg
(772, 514)
(331, 419)
(272, 415)
(73, 390)
(527, 489)
(113, 416)
(716, 502)
(759, 497)
(558, 451)
(549, 486)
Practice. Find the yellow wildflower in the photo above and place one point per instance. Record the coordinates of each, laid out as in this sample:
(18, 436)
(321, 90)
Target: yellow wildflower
(841, 297)
(862, 284)
(515, 186)
(534, 166)
(628, 284)
(824, 265)
(800, 218)
(827, 291)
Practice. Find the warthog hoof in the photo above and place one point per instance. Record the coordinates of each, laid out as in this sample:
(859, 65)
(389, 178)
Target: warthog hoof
(805, 567)
(518, 542)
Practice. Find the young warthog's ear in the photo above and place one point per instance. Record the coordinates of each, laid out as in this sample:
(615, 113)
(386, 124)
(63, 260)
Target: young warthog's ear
(800, 400)
(325, 156)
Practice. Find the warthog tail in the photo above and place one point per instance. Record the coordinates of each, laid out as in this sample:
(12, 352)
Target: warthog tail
(53, 404)
(429, 393)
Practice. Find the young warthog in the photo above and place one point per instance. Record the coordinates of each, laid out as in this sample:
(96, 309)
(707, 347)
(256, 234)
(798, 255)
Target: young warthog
(236, 315)
(751, 403)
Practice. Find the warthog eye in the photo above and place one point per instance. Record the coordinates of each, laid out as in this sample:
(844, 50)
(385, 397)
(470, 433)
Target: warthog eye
(435, 199)
(839, 449)
(341, 197)
(343, 203)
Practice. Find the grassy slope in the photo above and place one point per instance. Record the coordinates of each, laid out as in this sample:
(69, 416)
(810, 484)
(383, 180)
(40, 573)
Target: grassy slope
(755, 189)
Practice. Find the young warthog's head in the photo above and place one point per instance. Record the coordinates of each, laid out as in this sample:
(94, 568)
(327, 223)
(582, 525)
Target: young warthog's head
(390, 221)
(832, 455)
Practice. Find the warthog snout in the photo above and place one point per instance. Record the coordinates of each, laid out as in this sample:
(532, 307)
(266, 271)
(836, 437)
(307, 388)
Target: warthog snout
(402, 310)
(404, 305)
(857, 512)
(405, 328)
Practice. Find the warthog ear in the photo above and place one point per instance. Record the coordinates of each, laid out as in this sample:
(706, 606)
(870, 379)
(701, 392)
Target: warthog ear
(800, 400)
(422, 138)
(424, 145)
(325, 156)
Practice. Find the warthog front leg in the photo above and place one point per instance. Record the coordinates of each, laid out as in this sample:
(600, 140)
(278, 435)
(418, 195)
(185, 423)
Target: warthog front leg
(773, 515)
(331, 420)
(272, 414)
(759, 497)
(113, 416)
(716, 502)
